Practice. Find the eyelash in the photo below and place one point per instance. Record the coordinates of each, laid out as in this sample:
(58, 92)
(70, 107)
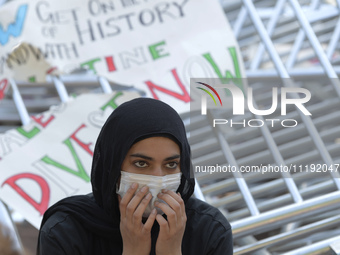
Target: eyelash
(140, 161)
(136, 163)
(173, 167)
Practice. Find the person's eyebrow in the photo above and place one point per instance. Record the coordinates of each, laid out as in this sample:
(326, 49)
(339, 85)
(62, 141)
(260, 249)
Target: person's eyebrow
(172, 157)
(138, 155)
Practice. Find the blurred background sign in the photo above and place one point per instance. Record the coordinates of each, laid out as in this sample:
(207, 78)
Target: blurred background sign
(155, 46)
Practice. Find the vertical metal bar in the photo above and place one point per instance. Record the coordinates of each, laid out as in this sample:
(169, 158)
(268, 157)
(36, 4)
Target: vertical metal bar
(6, 221)
(239, 21)
(334, 41)
(105, 85)
(266, 39)
(59, 85)
(295, 49)
(287, 82)
(329, 70)
(270, 28)
(314, 4)
(298, 42)
(19, 103)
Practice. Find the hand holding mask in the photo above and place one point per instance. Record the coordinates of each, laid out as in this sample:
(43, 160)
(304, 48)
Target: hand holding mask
(155, 184)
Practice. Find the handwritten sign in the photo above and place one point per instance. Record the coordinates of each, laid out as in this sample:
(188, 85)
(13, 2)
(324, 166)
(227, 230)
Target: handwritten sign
(156, 45)
(50, 158)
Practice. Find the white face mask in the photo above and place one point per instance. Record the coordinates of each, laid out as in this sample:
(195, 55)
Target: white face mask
(155, 184)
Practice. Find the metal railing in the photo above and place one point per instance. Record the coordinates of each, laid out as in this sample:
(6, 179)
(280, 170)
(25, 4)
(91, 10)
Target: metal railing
(280, 40)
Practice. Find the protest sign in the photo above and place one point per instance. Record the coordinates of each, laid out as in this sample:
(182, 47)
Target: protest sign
(50, 158)
(156, 46)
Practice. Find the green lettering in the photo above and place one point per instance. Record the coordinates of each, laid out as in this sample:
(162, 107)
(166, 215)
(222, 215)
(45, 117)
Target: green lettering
(28, 134)
(31, 79)
(90, 64)
(81, 171)
(112, 102)
(237, 79)
(156, 50)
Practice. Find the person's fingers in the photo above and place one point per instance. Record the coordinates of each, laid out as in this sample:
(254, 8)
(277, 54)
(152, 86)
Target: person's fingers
(138, 213)
(170, 213)
(126, 199)
(176, 196)
(173, 200)
(163, 224)
(134, 202)
(149, 222)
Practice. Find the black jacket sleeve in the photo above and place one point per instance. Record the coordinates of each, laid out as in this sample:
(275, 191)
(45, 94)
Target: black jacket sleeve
(207, 231)
(61, 235)
(49, 245)
(223, 243)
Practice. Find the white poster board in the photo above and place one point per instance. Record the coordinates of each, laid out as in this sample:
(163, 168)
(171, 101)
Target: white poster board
(156, 45)
(50, 158)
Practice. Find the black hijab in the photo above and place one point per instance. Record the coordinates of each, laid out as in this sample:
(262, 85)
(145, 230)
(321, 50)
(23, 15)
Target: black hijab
(130, 122)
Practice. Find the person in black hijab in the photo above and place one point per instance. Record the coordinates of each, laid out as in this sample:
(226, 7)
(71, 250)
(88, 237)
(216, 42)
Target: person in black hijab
(93, 224)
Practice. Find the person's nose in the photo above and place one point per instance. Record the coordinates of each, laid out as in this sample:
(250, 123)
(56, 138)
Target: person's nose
(158, 171)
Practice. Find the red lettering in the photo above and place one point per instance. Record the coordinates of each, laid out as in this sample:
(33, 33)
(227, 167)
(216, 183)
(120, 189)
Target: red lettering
(110, 64)
(3, 87)
(45, 190)
(184, 97)
(51, 70)
(86, 147)
(39, 120)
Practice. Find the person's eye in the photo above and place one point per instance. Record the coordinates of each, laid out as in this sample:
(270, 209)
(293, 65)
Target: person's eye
(172, 165)
(141, 164)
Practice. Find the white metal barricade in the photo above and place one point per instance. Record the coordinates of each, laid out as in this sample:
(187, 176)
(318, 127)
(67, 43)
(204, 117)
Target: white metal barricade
(299, 214)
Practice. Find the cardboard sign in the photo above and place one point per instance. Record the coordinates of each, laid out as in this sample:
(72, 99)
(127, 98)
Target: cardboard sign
(51, 158)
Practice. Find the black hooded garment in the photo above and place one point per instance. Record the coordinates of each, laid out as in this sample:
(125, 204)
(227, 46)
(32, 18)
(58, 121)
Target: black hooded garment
(89, 224)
